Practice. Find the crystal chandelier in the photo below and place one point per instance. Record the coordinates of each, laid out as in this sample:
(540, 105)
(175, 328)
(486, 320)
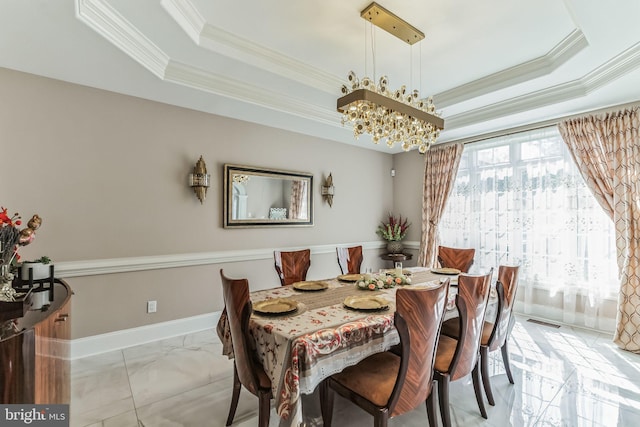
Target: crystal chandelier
(396, 117)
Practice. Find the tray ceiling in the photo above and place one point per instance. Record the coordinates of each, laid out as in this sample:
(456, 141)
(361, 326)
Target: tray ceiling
(490, 65)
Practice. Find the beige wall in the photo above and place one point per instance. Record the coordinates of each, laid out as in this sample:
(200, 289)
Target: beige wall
(407, 190)
(108, 175)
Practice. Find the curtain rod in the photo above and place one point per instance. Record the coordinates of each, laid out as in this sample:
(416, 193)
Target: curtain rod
(538, 125)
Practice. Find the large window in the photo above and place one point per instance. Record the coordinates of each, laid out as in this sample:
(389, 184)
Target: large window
(519, 199)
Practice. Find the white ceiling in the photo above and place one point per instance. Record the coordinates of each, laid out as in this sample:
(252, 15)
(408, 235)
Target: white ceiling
(490, 65)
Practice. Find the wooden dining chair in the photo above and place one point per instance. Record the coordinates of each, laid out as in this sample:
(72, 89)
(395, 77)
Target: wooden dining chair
(495, 334)
(456, 358)
(387, 384)
(247, 370)
(462, 259)
(292, 266)
(350, 259)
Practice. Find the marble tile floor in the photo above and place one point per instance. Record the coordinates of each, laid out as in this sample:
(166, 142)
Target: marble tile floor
(563, 377)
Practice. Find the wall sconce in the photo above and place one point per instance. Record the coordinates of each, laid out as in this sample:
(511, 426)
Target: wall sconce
(199, 179)
(327, 190)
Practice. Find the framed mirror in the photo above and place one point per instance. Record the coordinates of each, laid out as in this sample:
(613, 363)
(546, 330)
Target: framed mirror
(259, 197)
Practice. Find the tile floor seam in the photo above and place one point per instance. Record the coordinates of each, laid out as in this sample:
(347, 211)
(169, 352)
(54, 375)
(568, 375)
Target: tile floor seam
(133, 399)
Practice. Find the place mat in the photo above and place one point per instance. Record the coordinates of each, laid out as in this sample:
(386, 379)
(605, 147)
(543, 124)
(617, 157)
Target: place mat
(332, 296)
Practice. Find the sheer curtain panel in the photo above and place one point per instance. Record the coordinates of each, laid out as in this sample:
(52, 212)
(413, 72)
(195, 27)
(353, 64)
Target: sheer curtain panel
(520, 200)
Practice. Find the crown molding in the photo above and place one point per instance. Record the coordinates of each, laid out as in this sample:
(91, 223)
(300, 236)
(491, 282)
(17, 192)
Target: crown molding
(538, 67)
(196, 78)
(130, 264)
(228, 44)
(606, 73)
(103, 19)
(107, 22)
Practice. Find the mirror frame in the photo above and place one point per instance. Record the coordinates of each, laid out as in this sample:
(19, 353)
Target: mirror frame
(229, 222)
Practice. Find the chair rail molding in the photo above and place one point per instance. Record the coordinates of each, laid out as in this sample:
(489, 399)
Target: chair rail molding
(124, 265)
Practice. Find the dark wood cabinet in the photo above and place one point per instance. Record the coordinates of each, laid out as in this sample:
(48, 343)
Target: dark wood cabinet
(34, 349)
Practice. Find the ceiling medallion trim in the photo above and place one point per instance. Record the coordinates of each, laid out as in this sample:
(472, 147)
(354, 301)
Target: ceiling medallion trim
(561, 53)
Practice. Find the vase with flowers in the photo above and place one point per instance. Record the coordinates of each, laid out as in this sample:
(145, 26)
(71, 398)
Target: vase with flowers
(393, 231)
(11, 238)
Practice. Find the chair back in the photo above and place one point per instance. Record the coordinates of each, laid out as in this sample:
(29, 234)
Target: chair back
(292, 266)
(419, 314)
(350, 259)
(462, 259)
(506, 287)
(471, 301)
(238, 308)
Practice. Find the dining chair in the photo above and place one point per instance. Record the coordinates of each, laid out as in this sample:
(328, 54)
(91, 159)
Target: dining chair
(292, 266)
(456, 358)
(247, 370)
(387, 384)
(350, 259)
(462, 259)
(495, 334)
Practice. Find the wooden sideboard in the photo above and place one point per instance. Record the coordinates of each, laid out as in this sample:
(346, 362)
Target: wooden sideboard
(35, 349)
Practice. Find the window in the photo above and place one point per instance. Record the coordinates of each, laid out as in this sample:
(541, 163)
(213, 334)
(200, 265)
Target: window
(519, 199)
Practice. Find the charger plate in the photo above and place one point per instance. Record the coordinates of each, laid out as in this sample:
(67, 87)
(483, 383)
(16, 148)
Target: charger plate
(354, 277)
(446, 270)
(366, 303)
(310, 286)
(275, 306)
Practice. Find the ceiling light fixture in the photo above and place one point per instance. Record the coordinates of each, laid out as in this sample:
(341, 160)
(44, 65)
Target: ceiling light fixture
(394, 117)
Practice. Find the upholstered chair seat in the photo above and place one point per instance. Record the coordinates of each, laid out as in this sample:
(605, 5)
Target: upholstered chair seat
(373, 378)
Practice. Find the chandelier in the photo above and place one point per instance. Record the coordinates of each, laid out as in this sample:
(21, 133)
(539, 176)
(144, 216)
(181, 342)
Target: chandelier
(396, 117)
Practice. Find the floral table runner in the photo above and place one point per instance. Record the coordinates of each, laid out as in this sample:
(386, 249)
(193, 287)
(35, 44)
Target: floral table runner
(321, 338)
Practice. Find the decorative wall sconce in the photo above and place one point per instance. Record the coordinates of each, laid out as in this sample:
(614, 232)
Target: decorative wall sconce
(327, 190)
(199, 179)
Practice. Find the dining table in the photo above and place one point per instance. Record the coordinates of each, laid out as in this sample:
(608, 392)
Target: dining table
(321, 335)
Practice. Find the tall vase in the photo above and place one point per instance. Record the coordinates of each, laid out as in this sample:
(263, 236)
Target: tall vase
(394, 247)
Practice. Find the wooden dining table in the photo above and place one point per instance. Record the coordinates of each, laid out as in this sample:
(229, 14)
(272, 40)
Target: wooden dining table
(322, 337)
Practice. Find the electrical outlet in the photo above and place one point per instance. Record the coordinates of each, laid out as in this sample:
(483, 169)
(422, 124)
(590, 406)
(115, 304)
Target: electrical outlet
(152, 306)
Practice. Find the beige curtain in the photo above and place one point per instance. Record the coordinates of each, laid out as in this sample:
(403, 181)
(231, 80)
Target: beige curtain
(606, 149)
(297, 206)
(441, 167)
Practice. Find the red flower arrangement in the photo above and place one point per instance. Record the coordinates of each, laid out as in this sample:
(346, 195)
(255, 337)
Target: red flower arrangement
(11, 237)
(395, 229)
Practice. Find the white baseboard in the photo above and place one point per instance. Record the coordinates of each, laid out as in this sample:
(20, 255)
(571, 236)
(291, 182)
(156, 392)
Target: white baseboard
(96, 344)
